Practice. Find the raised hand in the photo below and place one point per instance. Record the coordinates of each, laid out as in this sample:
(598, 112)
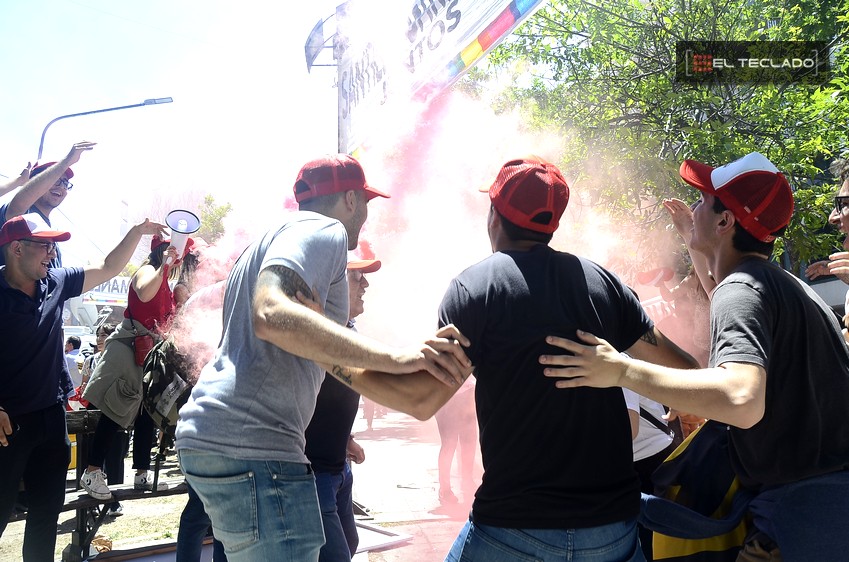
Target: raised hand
(77, 150)
(148, 227)
(682, 217)
(839, 265)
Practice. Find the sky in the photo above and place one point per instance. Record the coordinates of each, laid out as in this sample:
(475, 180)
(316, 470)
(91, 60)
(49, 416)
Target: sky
(246, 115)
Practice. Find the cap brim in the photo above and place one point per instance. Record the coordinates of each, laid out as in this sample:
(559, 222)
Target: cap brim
(364, 266)
(51, 235)
(371, 193)
(697, 175)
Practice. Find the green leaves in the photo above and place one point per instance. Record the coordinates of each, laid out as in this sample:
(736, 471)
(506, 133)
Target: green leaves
(603, 74)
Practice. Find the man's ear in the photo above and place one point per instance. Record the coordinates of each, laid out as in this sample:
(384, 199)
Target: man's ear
(351, 199)
(727, 221)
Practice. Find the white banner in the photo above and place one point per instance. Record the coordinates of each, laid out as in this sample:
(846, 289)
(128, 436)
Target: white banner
(412, 50)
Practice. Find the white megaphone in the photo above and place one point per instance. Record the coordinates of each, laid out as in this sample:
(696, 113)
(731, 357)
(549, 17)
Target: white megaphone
(182, 223)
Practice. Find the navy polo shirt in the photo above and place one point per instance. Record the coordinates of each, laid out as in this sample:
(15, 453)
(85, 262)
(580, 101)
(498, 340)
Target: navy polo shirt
(31, 346)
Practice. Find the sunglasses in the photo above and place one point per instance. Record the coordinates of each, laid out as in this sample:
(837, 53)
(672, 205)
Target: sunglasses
(841, 203)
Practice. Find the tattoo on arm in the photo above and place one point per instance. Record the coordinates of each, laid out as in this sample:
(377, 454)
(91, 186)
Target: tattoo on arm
(289, 281)
(649, 337)
(340, 373)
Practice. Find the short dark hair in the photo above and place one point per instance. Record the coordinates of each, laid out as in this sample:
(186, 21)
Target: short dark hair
(75, 341)
(107, 328)
(322, 203)
(517, 233)
(742, 240)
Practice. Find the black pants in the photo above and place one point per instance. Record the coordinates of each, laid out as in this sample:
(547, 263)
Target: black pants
(39, 452)
(104, 436)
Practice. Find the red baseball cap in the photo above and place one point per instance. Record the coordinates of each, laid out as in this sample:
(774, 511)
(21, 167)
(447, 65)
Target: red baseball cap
(69, 173)
(751, 188)
(530, 193)
(364, 266)
(30, 226)
(332, 174)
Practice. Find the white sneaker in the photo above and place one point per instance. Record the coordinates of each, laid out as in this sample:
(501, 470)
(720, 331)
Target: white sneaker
(95, 485)
(145, 482)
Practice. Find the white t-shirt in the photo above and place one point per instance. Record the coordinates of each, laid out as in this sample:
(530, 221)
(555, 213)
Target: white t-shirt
(650, 440)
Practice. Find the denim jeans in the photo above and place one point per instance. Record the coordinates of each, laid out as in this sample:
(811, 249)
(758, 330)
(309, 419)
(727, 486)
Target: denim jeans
(616, 542)
(194, 524)
(39, 452)
(260, 510)
(337, 514)
(808, 519)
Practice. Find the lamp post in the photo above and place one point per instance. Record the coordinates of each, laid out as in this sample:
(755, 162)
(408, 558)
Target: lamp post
(152, 101)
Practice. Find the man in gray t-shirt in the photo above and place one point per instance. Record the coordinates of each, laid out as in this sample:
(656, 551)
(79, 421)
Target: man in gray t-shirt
(778, 373)
(241, 435)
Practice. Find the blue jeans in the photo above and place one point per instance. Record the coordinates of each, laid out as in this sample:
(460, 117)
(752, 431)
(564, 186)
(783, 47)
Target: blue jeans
(39, 452)
(616, 542)
(337, 514)
(194, 524)
(260, 510)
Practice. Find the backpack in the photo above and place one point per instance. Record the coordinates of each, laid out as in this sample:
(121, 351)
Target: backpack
(165, 385)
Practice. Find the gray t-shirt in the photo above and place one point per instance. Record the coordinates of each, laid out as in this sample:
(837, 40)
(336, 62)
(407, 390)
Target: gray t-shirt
(254, 400)
(762, 315)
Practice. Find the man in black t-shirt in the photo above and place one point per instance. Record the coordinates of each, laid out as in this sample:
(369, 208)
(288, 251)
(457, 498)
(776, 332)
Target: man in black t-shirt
(778, 373)
(330, 445)
(558, 476)
(557, 467)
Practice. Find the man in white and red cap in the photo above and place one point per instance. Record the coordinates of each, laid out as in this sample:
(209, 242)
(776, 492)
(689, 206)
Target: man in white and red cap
(47, 187)
(241, 434)
(778, 374)
(34, 442)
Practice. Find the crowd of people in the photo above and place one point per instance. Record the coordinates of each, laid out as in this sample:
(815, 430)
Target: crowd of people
(574, 390)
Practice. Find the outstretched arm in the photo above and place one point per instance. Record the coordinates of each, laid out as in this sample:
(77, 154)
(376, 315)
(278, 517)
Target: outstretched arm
(41, 184)
(733, 393)
(17, 182)
(120, 255)
(283, 321)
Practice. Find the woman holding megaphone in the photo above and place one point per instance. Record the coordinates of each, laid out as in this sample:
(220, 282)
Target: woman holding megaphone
(116, 384)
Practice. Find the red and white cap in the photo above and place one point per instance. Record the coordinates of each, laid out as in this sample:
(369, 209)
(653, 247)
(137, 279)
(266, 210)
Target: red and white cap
(30, 226)
(751, 188)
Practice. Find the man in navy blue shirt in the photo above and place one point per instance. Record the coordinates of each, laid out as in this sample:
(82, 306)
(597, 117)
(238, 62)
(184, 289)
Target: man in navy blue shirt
(34, 442)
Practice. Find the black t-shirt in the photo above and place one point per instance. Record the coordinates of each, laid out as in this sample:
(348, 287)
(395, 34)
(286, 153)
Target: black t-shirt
(553, 458)
(328, 431)
(762, 315)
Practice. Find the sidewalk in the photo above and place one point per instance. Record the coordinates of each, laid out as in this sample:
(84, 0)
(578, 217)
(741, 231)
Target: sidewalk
(398, 483)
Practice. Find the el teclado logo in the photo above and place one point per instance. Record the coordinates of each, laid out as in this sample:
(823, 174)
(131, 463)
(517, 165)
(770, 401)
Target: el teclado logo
(780, 62)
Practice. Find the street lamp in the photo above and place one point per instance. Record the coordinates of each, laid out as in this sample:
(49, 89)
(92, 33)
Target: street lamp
(152, 101)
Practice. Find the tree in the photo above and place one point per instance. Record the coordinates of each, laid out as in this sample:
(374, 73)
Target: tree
(212, 219)
(603, 74)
